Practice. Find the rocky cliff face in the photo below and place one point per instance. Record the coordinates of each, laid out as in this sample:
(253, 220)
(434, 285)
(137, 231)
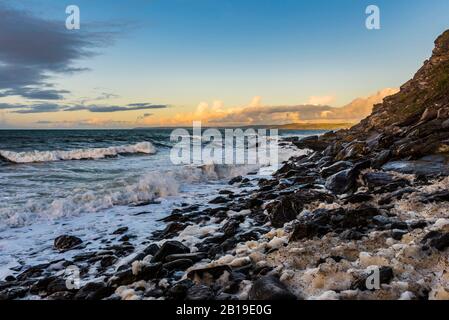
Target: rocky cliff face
(410, 124)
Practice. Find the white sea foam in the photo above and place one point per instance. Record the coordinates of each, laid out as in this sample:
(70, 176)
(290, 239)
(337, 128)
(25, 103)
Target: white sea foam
(77, 154)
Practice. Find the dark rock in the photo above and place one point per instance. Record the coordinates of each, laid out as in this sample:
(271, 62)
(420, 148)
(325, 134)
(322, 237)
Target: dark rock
(358, 198)
(381, 182)
(341, 182)
(170, 231)
(152, 249)
(122, 278)
(396, 195)
(313, 143)
(322, 221)
(32, 272)
(219, 200)
(149, 271)
(13, 293)
(288, 207)
(179, 290)
(437, 240)
(66, 242)
(169, 248)
(57, 285)
(10, 278)
(226, 192)
(199, 293)
(381, 158)
(62, 296)
(194, 257)
(108, 261)
(420, 224)
(418, 167)
(121, 230)
(270, 288)
(335, 168)
(235, 180)
(441, 196)
(180, 264)
(397, 234)
(231, 227)
(94, 291)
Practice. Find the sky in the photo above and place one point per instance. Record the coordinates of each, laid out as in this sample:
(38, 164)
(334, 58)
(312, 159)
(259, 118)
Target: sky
(168, 62)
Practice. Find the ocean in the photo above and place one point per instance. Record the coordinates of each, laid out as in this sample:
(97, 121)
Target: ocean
(88, 183)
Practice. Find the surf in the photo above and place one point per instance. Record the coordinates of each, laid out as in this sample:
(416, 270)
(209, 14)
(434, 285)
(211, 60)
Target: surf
(76, 154)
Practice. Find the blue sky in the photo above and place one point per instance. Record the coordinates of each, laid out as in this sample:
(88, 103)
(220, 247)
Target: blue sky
(184, 52)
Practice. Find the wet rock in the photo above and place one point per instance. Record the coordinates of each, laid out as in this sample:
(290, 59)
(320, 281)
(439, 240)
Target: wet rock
(108, 261)
(346, 180)
(180, 264)
(57, 285)
(122, 278)
(152, 249)
(169, 248)
(335, 168)
(62, 296)
(94, 291)
(219, 200)
(121, 230)
(322, 221)
(288, 207)
(66, 242)
(313, 143)
(170, 231)
(150, 271)
(194, 257)
(179, 290)
(381, 158)
(10, 278)
(381, 182)
(418, 167)
(270, 288)
(235, 180)
(231, 227)
(341, 182)
(13, 293)
(199, 293)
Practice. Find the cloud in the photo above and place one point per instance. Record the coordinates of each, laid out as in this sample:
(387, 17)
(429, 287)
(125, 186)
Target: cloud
(321, 100)
(255, 113)
(39, 108)
(86, 123)
(105, 109)
(51, 107)
(33, 49)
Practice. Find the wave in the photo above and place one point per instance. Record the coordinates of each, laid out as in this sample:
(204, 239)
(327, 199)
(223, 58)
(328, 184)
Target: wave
(127, 192)
(76, 154)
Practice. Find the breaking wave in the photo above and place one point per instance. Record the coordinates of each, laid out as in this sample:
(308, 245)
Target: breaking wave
(77, 154)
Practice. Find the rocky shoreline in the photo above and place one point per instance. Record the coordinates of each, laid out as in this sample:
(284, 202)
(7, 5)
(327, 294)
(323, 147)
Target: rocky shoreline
(375, 195)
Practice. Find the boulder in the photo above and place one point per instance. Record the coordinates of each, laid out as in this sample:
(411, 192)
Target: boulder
(270, 288)
(169, 248)
(288, 207)
(67, 242)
